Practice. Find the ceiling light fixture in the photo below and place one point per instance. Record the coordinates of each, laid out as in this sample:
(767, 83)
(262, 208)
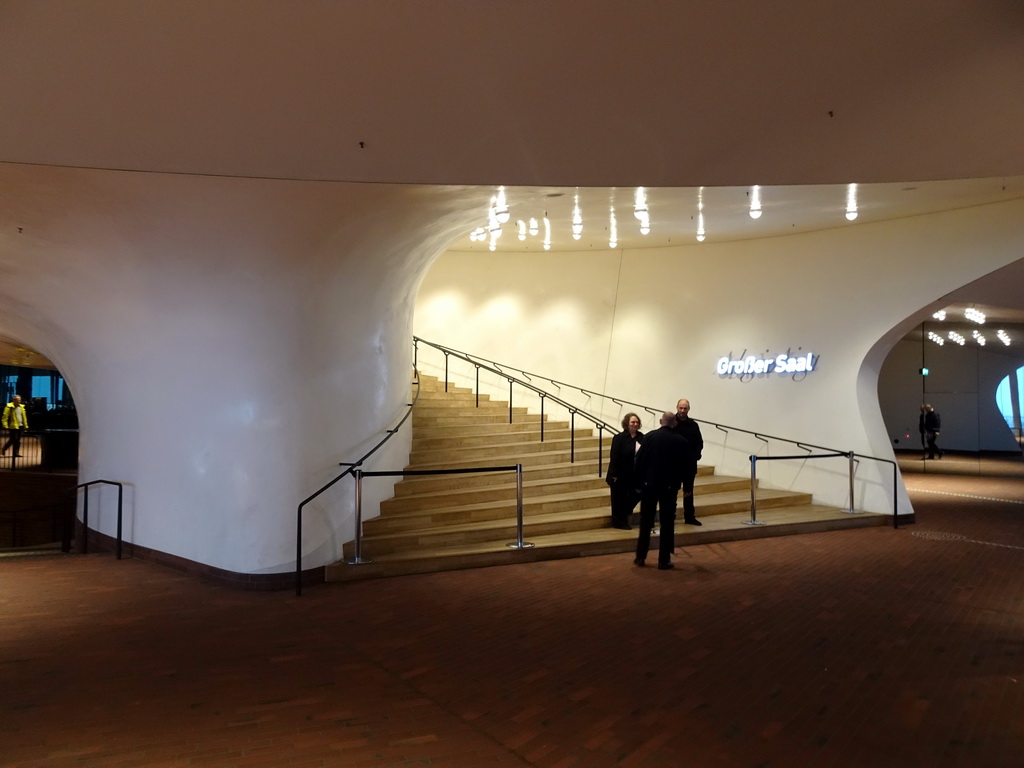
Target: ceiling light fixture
(613, 229)
(533, 227)
(940, 315)
(577, 219)
(1003, 337)
(700, 215)
(978, 337)
(493, 229)
(974, 315)
(641, 211)
(522, 229)
(547, 232)
(936, 338)
(851, 202)
(501, 206)
(755, 202)
(956, 337)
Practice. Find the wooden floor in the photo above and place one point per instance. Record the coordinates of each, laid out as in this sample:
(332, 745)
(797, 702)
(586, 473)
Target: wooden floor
(869, 648)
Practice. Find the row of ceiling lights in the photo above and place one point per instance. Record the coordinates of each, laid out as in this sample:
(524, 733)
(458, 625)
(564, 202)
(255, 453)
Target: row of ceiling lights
(499, 213)
(975, 316)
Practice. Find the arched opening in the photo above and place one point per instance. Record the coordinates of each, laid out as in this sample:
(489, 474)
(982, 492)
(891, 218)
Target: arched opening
(1008, 400)
(38, 451)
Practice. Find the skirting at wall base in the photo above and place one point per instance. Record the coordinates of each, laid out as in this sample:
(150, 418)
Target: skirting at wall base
(257, 582)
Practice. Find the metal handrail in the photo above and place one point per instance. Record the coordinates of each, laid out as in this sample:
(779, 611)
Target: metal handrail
(352, 466)
(599, 423)
(357, 547)
(849, 455)
(66, 543)
(656, 411)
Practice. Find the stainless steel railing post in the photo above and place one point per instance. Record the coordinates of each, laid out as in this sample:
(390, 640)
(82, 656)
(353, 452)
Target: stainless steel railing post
(519, 543)
(753, 493)
(853, 463)
(357, 545)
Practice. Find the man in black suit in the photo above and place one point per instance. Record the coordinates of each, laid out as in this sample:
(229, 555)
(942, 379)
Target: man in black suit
(689, 429)
(929, 424)
(660, 467)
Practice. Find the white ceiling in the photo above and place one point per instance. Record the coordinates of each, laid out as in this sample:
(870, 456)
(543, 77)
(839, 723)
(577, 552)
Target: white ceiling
(799, 95)
(664, 93)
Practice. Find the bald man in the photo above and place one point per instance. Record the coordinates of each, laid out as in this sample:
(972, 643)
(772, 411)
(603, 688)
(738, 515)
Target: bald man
(689, 429)
(660, 466)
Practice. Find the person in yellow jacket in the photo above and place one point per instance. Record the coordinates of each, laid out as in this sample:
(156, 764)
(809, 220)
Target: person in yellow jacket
(16, 421)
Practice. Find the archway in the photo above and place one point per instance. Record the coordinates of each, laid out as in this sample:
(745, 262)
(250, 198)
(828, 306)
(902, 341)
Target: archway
(39, 458)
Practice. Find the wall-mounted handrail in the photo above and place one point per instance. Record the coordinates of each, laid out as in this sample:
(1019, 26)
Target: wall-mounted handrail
(352, 466)
(357, 545)
(66, 543)
(655, 413)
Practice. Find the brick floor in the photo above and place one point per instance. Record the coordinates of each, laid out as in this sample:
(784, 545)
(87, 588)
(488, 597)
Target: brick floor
(869, 647)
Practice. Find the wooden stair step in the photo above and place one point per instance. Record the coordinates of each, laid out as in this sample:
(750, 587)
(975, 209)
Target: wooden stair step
(428, 483)
(572, 506)
(458, 439)
(461, 418)
(491, 450)
(783, 521)
(458, 496)
(455, 496)
(532, 427)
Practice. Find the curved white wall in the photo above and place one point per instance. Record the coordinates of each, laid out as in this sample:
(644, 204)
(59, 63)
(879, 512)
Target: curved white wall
(649, 325)
(227, 342)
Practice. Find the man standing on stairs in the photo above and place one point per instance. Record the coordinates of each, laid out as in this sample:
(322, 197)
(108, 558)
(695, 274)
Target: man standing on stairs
(689, 429)
(660, 467)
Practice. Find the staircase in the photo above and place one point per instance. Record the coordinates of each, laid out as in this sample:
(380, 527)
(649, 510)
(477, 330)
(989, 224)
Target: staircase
(449, 522)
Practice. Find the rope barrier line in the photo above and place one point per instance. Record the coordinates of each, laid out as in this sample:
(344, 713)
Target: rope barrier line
(966, 496)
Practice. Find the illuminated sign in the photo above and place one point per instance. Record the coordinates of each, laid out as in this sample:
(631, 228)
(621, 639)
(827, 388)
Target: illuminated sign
(780, 364)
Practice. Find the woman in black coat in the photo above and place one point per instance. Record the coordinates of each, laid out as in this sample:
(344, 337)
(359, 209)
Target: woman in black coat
(620, 471)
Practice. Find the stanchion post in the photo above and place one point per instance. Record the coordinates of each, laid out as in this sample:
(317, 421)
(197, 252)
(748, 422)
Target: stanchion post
(85, 523)
(753, 493)
(357, 544)
(519, 543)
(853, 508)
(120, 508)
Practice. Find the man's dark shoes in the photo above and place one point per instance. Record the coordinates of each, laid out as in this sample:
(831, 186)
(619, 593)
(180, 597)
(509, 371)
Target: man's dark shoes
(637, 561)
(665, 566)
(621, 525)
(692, 521)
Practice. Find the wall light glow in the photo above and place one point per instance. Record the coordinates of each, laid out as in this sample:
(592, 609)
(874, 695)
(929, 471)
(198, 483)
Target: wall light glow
(755, 202)
(501, 206)
(851, 202)
(974, 315)
(700, 215)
